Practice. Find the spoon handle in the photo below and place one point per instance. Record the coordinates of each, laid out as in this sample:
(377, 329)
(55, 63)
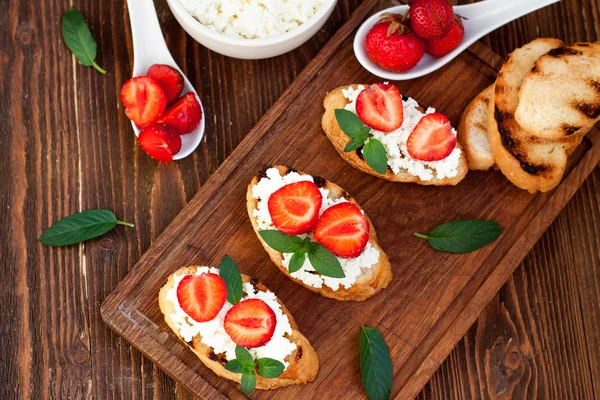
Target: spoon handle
(500, 12)
(149, 46)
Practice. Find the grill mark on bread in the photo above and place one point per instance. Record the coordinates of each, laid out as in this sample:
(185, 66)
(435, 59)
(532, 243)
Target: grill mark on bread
(569, 129)
(299, 353)
(589, 109)
(262, 173)
(220, 358)
(320, 182)
(564, 51)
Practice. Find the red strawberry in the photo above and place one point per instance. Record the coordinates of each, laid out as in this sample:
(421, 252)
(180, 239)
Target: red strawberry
(144, 100)
(431, 19)
(393, 45)
(202, 296)
(432, 139)
(169, 79)
(343, 229)
(250, 323)
(161, 142)
(380, 107)
(294, 208)
(441, 47)
(184, 115)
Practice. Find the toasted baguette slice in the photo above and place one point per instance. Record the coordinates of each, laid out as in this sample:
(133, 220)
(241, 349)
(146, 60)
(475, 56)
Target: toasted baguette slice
(472, 131)
(334, 100)
(530, 162)
(372, 279)
(303, 362)
(560, 96)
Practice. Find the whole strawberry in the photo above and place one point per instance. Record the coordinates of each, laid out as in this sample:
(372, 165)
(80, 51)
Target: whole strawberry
(431, 19)
(392, 45)
(441, 47)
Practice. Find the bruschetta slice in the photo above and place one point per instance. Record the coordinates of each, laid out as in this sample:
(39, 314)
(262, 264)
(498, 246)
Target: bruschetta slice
(317, 234)
(196, 293)
(414, 144)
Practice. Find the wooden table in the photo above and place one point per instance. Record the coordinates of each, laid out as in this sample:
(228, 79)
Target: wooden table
(69, 147)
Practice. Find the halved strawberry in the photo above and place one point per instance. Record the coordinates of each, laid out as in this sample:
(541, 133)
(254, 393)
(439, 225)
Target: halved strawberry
(250, 323)
(380, 107)
(169, 79)
(294, 208)
(184, 115)
(161, 142)
(144, 100)
(432, 139)
(343, 229)
(202, 296)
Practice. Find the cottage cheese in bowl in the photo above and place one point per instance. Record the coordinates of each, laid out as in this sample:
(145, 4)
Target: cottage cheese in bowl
(253, 19)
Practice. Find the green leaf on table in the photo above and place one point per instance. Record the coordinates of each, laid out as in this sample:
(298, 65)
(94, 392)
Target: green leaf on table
(297, 260)
(324, 261)
(233, 279)
(281, 242)
(248, 381)
(375, 156)
(351, 124)
(80, 227)
(375, 364)
(463, 236)
(269, 368)
(79, 40)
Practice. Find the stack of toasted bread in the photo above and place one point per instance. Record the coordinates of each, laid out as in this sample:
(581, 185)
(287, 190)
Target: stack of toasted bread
(545, 99)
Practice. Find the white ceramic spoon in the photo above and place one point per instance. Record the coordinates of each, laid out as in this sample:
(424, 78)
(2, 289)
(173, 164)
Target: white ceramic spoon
(149, 47)
(480, 19)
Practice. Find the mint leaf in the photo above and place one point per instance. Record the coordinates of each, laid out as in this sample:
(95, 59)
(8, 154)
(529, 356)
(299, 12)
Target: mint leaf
(233, 279)
(463, 236)
(281, 242)
(79, 40)
(351, 124)
(375, 156)
(235, 366)
(324, 261)
(80, 227)
(355, 143)
(269, 368)
(297, 260)
(244, 357)
(248, 381)
(375, 364)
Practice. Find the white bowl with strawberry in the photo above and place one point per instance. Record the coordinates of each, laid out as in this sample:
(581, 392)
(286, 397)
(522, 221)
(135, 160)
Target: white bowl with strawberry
(168, 125)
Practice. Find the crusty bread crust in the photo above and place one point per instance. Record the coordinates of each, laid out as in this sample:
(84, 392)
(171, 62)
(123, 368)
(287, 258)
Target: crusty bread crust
(303, 362)
(368, 284)
(473, 127)
(334, 100)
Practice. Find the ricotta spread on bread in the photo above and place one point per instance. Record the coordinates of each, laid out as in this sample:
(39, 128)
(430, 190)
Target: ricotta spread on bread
(212, 333)
(395, 142)
(352, 266)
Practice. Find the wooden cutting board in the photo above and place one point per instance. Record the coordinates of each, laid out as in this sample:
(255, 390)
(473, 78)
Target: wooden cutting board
(434, 297)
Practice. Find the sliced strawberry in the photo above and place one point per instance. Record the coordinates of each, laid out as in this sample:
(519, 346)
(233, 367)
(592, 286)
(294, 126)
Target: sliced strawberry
(250, 323)
(144, 100)
(432, 139)
(169, 79)
(184, 115)
(343, 229)
(380, 107)
(294, 208)
(202, 296)
(161, 142)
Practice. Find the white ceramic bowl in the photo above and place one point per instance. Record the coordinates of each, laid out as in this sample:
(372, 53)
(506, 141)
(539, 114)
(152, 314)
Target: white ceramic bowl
(251, 49)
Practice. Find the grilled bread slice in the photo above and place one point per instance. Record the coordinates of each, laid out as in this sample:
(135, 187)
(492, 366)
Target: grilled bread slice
(473, 134)
(528, 161)
(303, 362)
(334, 100)
(560, 96)
(371, 280)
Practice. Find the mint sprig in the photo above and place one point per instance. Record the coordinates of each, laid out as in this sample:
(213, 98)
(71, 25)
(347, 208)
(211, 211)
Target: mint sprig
(321, 259)
(359, 134)
(79, 40)
(230, 273)
(375, 364)
(244, 364)
(463, 236)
